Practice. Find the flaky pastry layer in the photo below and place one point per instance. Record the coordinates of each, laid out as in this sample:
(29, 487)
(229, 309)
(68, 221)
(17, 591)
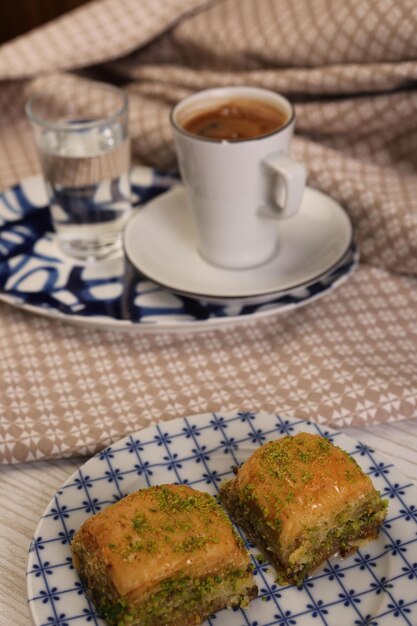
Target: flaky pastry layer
(166, 555)
(301, 499)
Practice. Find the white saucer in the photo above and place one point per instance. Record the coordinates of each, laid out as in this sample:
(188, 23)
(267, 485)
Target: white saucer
(160, 242)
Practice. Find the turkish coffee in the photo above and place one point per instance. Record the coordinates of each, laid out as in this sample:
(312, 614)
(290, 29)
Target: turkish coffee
(236, 120)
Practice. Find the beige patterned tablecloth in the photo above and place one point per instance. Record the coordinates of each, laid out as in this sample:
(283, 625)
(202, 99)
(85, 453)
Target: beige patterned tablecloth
(350, 68)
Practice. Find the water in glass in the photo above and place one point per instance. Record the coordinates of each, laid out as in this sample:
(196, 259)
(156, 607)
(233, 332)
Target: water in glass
(87, 174)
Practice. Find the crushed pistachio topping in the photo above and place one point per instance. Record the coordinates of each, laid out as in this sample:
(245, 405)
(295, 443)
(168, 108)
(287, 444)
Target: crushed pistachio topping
(140, 522)
(194, 542)
(279, 457)
(350, 476)
(260, 558)
(324, 445)
(306, 475)
(148, 534)
(173, 502)
(149, 546)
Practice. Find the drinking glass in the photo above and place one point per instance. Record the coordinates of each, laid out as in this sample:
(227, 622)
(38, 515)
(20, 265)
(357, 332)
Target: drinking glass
(81, 131)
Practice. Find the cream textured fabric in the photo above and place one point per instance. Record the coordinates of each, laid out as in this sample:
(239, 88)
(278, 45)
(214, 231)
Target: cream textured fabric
(351, 69)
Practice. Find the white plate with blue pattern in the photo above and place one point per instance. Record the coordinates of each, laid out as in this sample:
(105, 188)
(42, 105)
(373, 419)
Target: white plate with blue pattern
(37, 277)
(375, 586)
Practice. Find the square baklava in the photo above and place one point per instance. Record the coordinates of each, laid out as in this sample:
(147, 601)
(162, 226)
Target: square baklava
(302, 499)
(163, 556)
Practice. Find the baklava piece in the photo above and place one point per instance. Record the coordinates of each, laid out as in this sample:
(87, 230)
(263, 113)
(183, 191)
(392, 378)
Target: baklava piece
(300, 500)
(163, 556)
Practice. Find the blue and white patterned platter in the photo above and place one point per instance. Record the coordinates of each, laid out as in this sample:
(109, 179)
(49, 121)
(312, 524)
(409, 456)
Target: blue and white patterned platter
(375, 586)
(36, 276)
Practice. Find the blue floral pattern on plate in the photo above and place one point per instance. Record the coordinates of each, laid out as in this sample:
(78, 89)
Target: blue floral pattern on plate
(375, 586)
(37, 276)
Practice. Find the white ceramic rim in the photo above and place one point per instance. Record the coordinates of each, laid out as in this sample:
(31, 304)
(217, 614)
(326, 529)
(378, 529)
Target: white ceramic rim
(65, 126)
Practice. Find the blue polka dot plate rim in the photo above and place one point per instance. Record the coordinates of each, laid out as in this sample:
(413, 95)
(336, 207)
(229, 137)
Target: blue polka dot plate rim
(38, 278)
(375, 586)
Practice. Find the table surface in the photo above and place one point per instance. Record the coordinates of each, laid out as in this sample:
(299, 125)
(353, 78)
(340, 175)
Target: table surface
(26, 489)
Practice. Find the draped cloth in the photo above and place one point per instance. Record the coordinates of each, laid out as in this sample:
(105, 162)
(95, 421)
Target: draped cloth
(350, 68)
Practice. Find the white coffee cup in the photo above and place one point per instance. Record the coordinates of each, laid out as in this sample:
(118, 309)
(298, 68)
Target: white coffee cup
(237, 189)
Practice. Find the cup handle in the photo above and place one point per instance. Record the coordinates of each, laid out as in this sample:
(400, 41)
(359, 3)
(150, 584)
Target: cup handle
(290, 177)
